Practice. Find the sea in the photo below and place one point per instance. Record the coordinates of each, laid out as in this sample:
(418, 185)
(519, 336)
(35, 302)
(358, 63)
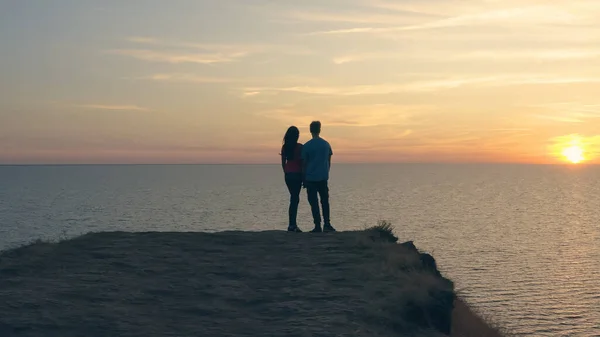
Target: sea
(521, 242)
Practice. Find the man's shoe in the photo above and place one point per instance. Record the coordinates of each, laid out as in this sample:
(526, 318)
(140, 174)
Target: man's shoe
(328, 228)
(317, 229)
(294, 229)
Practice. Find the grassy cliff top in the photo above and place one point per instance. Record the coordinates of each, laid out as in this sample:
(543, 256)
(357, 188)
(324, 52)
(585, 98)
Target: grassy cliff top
(225, 284)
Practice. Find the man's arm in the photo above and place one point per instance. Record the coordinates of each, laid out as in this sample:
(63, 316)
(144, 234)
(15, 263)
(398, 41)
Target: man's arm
(330, 154)
(303, 170)
(304, 157)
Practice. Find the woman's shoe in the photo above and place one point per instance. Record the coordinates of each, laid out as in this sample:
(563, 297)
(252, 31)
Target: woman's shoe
(294, 229)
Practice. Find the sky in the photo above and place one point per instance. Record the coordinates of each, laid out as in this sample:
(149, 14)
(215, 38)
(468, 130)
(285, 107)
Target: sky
(219, 81)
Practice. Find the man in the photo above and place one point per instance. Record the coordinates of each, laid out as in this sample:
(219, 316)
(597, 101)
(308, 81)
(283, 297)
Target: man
(316, 161)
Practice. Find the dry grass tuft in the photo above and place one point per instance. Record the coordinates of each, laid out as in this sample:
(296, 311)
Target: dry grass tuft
(385, 231)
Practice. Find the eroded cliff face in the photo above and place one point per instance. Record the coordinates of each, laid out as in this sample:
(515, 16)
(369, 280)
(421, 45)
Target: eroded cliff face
(436, 310)
(439, 311)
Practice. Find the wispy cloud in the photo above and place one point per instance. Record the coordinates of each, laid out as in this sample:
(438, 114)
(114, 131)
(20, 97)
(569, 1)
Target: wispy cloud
(195, 78)
(499, 80)
(429, 85)
(515, 14)
(558, 80)
(176, 57)
(174, 51)
(251, 93)
(541, 54)
(560, 119)
(249, 48)
(111, 107)
(568, 112)
(364, 57)
(432, 8)
(500, 54)
(572, 107)
(373, 115)
(143, 40)
(358, 17)
(187, 78)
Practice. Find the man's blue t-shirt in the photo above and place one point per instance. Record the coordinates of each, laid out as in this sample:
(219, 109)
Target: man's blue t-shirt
(315, 154)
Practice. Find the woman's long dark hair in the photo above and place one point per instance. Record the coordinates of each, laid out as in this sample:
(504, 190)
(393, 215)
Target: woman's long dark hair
(289, 142)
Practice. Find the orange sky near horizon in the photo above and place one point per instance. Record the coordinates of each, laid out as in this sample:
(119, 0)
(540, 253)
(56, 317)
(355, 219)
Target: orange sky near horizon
(219, 82)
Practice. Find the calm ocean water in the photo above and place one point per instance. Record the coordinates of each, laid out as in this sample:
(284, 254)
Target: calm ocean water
(521, 242)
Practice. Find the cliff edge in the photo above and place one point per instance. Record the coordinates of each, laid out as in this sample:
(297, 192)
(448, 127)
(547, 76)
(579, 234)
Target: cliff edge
(225, 284)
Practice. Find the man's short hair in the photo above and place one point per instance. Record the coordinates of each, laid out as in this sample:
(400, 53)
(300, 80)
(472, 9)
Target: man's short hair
(315, 127)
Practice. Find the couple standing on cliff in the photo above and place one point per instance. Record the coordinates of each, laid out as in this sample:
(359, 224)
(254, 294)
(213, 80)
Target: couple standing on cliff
(307, 166)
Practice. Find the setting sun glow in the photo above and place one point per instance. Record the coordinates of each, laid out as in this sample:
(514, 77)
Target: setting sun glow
(574, 154)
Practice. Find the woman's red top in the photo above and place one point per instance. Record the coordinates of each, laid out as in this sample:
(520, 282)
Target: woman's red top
(294, 165)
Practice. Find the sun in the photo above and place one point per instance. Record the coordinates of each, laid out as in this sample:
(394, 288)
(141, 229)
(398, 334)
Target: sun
(574, 154)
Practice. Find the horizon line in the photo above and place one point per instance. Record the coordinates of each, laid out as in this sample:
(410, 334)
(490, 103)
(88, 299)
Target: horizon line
(272, 164)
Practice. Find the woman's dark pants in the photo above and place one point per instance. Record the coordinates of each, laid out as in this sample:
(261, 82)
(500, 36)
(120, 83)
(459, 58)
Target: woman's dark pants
(294, 185)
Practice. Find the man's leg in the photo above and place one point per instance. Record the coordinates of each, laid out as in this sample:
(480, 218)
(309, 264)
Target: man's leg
(313, 199)
(324, 194)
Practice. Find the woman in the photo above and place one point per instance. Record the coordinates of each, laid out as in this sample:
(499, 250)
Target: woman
(291, 162)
